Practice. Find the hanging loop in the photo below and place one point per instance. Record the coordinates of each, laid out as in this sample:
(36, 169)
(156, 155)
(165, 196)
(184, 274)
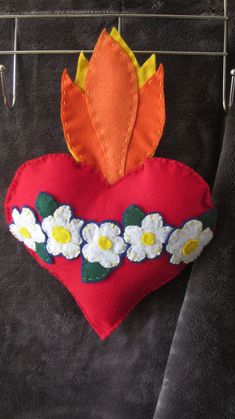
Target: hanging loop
(10, 104)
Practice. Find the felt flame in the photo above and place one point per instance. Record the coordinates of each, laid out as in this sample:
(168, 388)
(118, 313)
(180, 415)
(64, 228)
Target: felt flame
(113, 114)
(143, 73)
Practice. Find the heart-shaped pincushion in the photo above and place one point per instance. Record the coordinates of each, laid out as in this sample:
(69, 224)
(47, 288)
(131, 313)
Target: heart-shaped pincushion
(160, 185)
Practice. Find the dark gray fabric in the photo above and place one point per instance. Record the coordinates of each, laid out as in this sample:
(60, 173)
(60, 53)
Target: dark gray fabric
(199, 378)
(52, 365)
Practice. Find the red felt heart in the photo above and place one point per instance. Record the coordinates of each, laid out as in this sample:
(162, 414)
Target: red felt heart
(160, 185)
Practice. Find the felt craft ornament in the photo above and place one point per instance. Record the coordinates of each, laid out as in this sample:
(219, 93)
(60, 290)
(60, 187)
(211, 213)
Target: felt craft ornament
(111, 223)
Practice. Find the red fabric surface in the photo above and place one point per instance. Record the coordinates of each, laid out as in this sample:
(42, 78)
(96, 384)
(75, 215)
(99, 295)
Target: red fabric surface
(160, 185)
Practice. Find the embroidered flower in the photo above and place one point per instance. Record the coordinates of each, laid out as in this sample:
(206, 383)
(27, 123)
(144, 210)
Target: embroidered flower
(146, 240)
(186, 243)
(104, 244)
(63, 233)
(25, 227)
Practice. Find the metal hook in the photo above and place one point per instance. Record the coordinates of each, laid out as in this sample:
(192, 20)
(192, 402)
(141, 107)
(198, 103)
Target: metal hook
(232, 88)
(6, 100)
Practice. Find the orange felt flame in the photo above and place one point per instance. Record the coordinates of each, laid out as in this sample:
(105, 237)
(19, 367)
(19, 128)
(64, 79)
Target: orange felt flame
(79, 132)
(111, 124)
(149, 122)
(112, 110)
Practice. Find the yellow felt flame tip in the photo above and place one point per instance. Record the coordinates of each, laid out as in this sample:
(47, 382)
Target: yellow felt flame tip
(146, 71)
(115, 35)
(81, 73)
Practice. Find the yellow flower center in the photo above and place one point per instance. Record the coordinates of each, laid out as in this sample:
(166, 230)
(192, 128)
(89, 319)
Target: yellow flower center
(61, 234)
(25, 233)
(148, 239)
(104, 243)
(190, 247)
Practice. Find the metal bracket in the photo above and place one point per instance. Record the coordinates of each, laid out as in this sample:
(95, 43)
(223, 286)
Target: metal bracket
(232, 88)
(226, 103)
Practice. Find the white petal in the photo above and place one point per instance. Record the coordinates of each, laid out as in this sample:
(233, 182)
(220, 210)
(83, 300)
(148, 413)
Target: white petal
(37, 234)
(64, 212)
(108, 259)
(28, 216)
(53, 247)
(163, 233)
(14, 229)
(154, 250)
(16, 216)
(70, 250)
(176, 241)
(192, 229)
(136, 253)
(48, 223)
(176, 258)
(109, 229)
(74, 227)
(132, 234)
(90, 232)
(119, 246)
(61, 222)
(206, 236)
(30, 243)
(91, 252)
(152, 222)
(192, 256)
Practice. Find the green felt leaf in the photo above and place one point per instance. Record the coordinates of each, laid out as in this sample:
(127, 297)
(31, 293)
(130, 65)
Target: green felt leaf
(133, 216)
(94, 272)
(43, 253)
(209, 218)
(45, 204)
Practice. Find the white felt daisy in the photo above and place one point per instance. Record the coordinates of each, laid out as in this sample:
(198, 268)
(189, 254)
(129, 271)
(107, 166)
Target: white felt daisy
(63, 233)
(146, 240)
(186, 243)
(25, 227)
(103, 244)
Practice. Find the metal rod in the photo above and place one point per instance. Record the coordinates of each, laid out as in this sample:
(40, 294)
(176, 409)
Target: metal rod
(224, 82)
(89, 51)
(6, 100)
(91, 15)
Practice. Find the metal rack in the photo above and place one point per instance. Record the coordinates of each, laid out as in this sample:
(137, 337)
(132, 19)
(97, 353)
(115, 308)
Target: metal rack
(120, 16)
